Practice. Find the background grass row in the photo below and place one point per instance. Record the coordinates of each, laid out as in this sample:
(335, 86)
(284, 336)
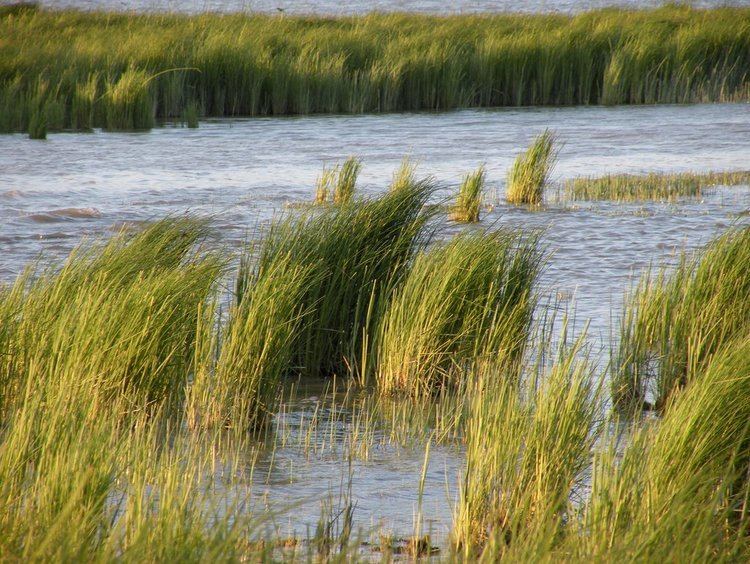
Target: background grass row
(76, 70)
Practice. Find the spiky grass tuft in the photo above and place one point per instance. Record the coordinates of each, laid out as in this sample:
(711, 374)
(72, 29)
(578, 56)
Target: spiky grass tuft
(531, 170)
(461, 303)
(338, 183)
(674, 323)
(469, 200)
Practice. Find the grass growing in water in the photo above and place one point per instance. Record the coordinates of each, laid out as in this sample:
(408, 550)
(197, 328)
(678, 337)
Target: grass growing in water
(338, 183)
(461, 303)
(252, 64)
(353, 256)
(683, 478)
(674, 323)
(652, 186)
(120, 317)
(469, 199)
(531, 170)
(527, 446)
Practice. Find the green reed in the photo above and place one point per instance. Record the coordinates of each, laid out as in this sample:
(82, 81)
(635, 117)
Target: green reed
(677, 489)
(150, 66)
(353, 256)
(121, 316)
(337, 184)
(469, 200)
(676, 321)
(531, 170)
(651, 186)
(527, 445)
(461, 303)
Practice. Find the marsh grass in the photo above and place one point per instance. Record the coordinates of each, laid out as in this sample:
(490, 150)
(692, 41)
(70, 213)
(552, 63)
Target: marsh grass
(469, 200)
(120, 316)
(353, 255)
(405, 175)
(527, 445)
(691, 467)
(676, 321)
(531, 170)
(253, 64)
(461, 302)
(651, 186)
(338, 183)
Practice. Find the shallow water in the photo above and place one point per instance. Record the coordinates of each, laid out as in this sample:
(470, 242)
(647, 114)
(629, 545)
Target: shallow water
(243, 172)
(332, 7)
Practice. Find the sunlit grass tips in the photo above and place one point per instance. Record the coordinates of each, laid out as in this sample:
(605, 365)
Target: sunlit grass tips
(651, 186)
(531, 170)
(469, 200)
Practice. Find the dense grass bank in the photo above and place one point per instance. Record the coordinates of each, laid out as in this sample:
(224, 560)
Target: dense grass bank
(651, 186)
(76, 70)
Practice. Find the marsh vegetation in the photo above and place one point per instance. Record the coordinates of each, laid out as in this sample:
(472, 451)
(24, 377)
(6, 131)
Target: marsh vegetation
(78, 70)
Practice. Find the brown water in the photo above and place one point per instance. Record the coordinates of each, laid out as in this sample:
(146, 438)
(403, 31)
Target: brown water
(243, 172)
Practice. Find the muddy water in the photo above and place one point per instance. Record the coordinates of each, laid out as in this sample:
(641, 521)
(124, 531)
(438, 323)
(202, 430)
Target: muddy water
(243, 172)
(332, 7)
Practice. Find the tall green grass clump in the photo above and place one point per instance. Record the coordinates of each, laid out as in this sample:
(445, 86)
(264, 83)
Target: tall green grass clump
(679, 490)
(338, 184)
(238, 386)
(461, 303)
(352, 256)
(254, 64)
(531, 170)
(405, 175)
(120, 319)
(128, 103)
(675, 322)
(469, 200)
(651, 186)
(527, 448)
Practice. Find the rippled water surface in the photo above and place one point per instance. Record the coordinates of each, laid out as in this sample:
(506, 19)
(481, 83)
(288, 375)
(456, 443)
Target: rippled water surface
(243, 172)
(363, 6)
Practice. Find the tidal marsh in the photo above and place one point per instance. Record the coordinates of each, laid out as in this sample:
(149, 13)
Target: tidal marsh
(78, 70)
(142, 451)
(651, 186)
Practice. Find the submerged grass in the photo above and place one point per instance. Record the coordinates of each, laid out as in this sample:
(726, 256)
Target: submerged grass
(651, 186)
(531, 170)
(461, 303)
(469, 199)
(675, 322)
(116, 70)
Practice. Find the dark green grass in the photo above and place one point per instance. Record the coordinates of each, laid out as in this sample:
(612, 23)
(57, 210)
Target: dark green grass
(123, 71)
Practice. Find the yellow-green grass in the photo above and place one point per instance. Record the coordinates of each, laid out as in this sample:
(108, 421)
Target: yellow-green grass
(352, 256)
(530, 171)
(461, 303)
(122, 317)
(337, 184)
(123, 70)
(651, 186)
(527, 445)
(679, 491)
(469, 200)
(676, 321)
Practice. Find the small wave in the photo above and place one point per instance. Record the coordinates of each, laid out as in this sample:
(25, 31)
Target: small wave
(11, 194)
(64, 214)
